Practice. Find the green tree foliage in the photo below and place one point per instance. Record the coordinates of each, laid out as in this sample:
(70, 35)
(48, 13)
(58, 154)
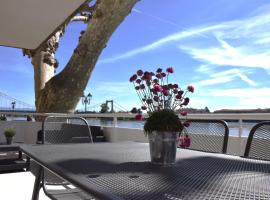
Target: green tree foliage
(104, 108)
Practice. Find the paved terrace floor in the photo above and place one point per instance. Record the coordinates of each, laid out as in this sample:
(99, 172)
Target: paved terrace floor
(18, 186)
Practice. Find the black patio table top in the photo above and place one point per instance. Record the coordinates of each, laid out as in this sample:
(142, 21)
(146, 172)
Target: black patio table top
(123, 171)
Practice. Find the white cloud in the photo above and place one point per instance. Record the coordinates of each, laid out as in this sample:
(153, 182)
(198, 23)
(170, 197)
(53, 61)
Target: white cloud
(242, 92)
(244, 98)
(247, 80)
(161, 42)
(214, 81)
(242, 43)
(227, 55)
(226, 72)
(206, 69)
(227, 76)
(157, 18)
(263, 40)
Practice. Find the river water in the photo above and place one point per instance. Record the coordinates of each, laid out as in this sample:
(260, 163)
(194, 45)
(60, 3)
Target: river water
(233, 126)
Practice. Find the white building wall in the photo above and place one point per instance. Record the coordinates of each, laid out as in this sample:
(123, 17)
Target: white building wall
(26, 132)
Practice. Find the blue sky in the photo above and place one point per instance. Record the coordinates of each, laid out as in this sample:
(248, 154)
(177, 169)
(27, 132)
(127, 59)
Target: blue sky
(221, 47)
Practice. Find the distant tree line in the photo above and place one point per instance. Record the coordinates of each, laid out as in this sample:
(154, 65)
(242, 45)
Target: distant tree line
(267, 110)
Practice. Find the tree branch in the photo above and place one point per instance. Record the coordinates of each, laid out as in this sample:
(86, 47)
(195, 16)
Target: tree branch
(63, 91)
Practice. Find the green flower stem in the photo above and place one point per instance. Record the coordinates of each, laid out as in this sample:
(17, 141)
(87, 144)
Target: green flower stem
(144, 91)
(151, 94)
(140, 96)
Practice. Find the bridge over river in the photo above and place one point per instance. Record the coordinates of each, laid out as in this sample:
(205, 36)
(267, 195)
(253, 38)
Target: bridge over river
(10, 104)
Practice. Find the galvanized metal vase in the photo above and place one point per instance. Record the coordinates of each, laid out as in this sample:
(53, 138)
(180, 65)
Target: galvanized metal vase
(163, 147)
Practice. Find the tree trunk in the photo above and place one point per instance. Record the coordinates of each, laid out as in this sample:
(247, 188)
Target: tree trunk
(43, 72)
(44, 62)
(62, 92)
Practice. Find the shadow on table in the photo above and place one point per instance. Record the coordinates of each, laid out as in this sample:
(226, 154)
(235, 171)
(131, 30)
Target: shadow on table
(187, 179)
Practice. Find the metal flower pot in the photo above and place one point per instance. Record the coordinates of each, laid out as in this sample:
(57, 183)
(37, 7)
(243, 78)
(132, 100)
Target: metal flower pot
(163, 147)
(9, 140)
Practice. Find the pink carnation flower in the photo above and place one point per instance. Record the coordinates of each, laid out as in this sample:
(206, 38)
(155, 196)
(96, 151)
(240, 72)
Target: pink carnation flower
(165, 92)
(186, 101)
(170, 70)
(190, 88)
(159, 76)
(184, 113)
(140, 72)
(139, 117)
(158, 88)
(133, 78)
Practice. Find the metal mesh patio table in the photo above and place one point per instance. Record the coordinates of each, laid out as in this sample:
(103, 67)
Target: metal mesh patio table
(123, 171)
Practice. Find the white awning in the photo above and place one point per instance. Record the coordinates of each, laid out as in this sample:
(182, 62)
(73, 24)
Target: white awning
(28, 23)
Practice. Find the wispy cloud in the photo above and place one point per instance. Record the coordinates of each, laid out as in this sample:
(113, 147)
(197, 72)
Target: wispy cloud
(158, 18)
(227, 76)
(226, 54)
(215, 81)
(169, 22)
(206, 69)
(242, 92)
(247, 80)
(245, 97)
(161, 42)
(241, 43)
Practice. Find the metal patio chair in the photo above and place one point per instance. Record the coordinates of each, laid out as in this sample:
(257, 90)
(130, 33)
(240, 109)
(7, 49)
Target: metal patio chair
(208, 135)
(61, 130)
(97, 134)
(258, 142)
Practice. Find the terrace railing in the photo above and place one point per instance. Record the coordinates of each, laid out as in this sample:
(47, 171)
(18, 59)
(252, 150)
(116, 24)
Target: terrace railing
(238, 118)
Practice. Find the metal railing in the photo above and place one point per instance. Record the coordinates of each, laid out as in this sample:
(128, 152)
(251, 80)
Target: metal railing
(239, 118)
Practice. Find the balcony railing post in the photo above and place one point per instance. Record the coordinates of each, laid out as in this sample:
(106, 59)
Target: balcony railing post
(114, 121)
(240, 131)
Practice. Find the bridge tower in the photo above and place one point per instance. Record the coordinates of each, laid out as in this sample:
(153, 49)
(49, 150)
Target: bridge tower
(111, 102)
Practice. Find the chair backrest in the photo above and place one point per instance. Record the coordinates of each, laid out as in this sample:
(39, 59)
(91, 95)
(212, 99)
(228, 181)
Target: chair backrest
(208, 135)
(65, 129)
(61, 130)
(258, 143)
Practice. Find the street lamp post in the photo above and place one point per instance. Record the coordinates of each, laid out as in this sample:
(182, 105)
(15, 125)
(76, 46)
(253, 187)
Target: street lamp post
(86, 100)
(13, 103)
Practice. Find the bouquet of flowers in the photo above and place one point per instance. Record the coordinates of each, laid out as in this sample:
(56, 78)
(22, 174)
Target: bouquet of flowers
(162, 100)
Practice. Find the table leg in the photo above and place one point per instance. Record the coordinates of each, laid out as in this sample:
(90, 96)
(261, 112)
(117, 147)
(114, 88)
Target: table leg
(37, 185)
(20, 155)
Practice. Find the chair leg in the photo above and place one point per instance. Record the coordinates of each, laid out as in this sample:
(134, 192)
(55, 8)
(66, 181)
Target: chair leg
(28, 163)
(37, 185)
